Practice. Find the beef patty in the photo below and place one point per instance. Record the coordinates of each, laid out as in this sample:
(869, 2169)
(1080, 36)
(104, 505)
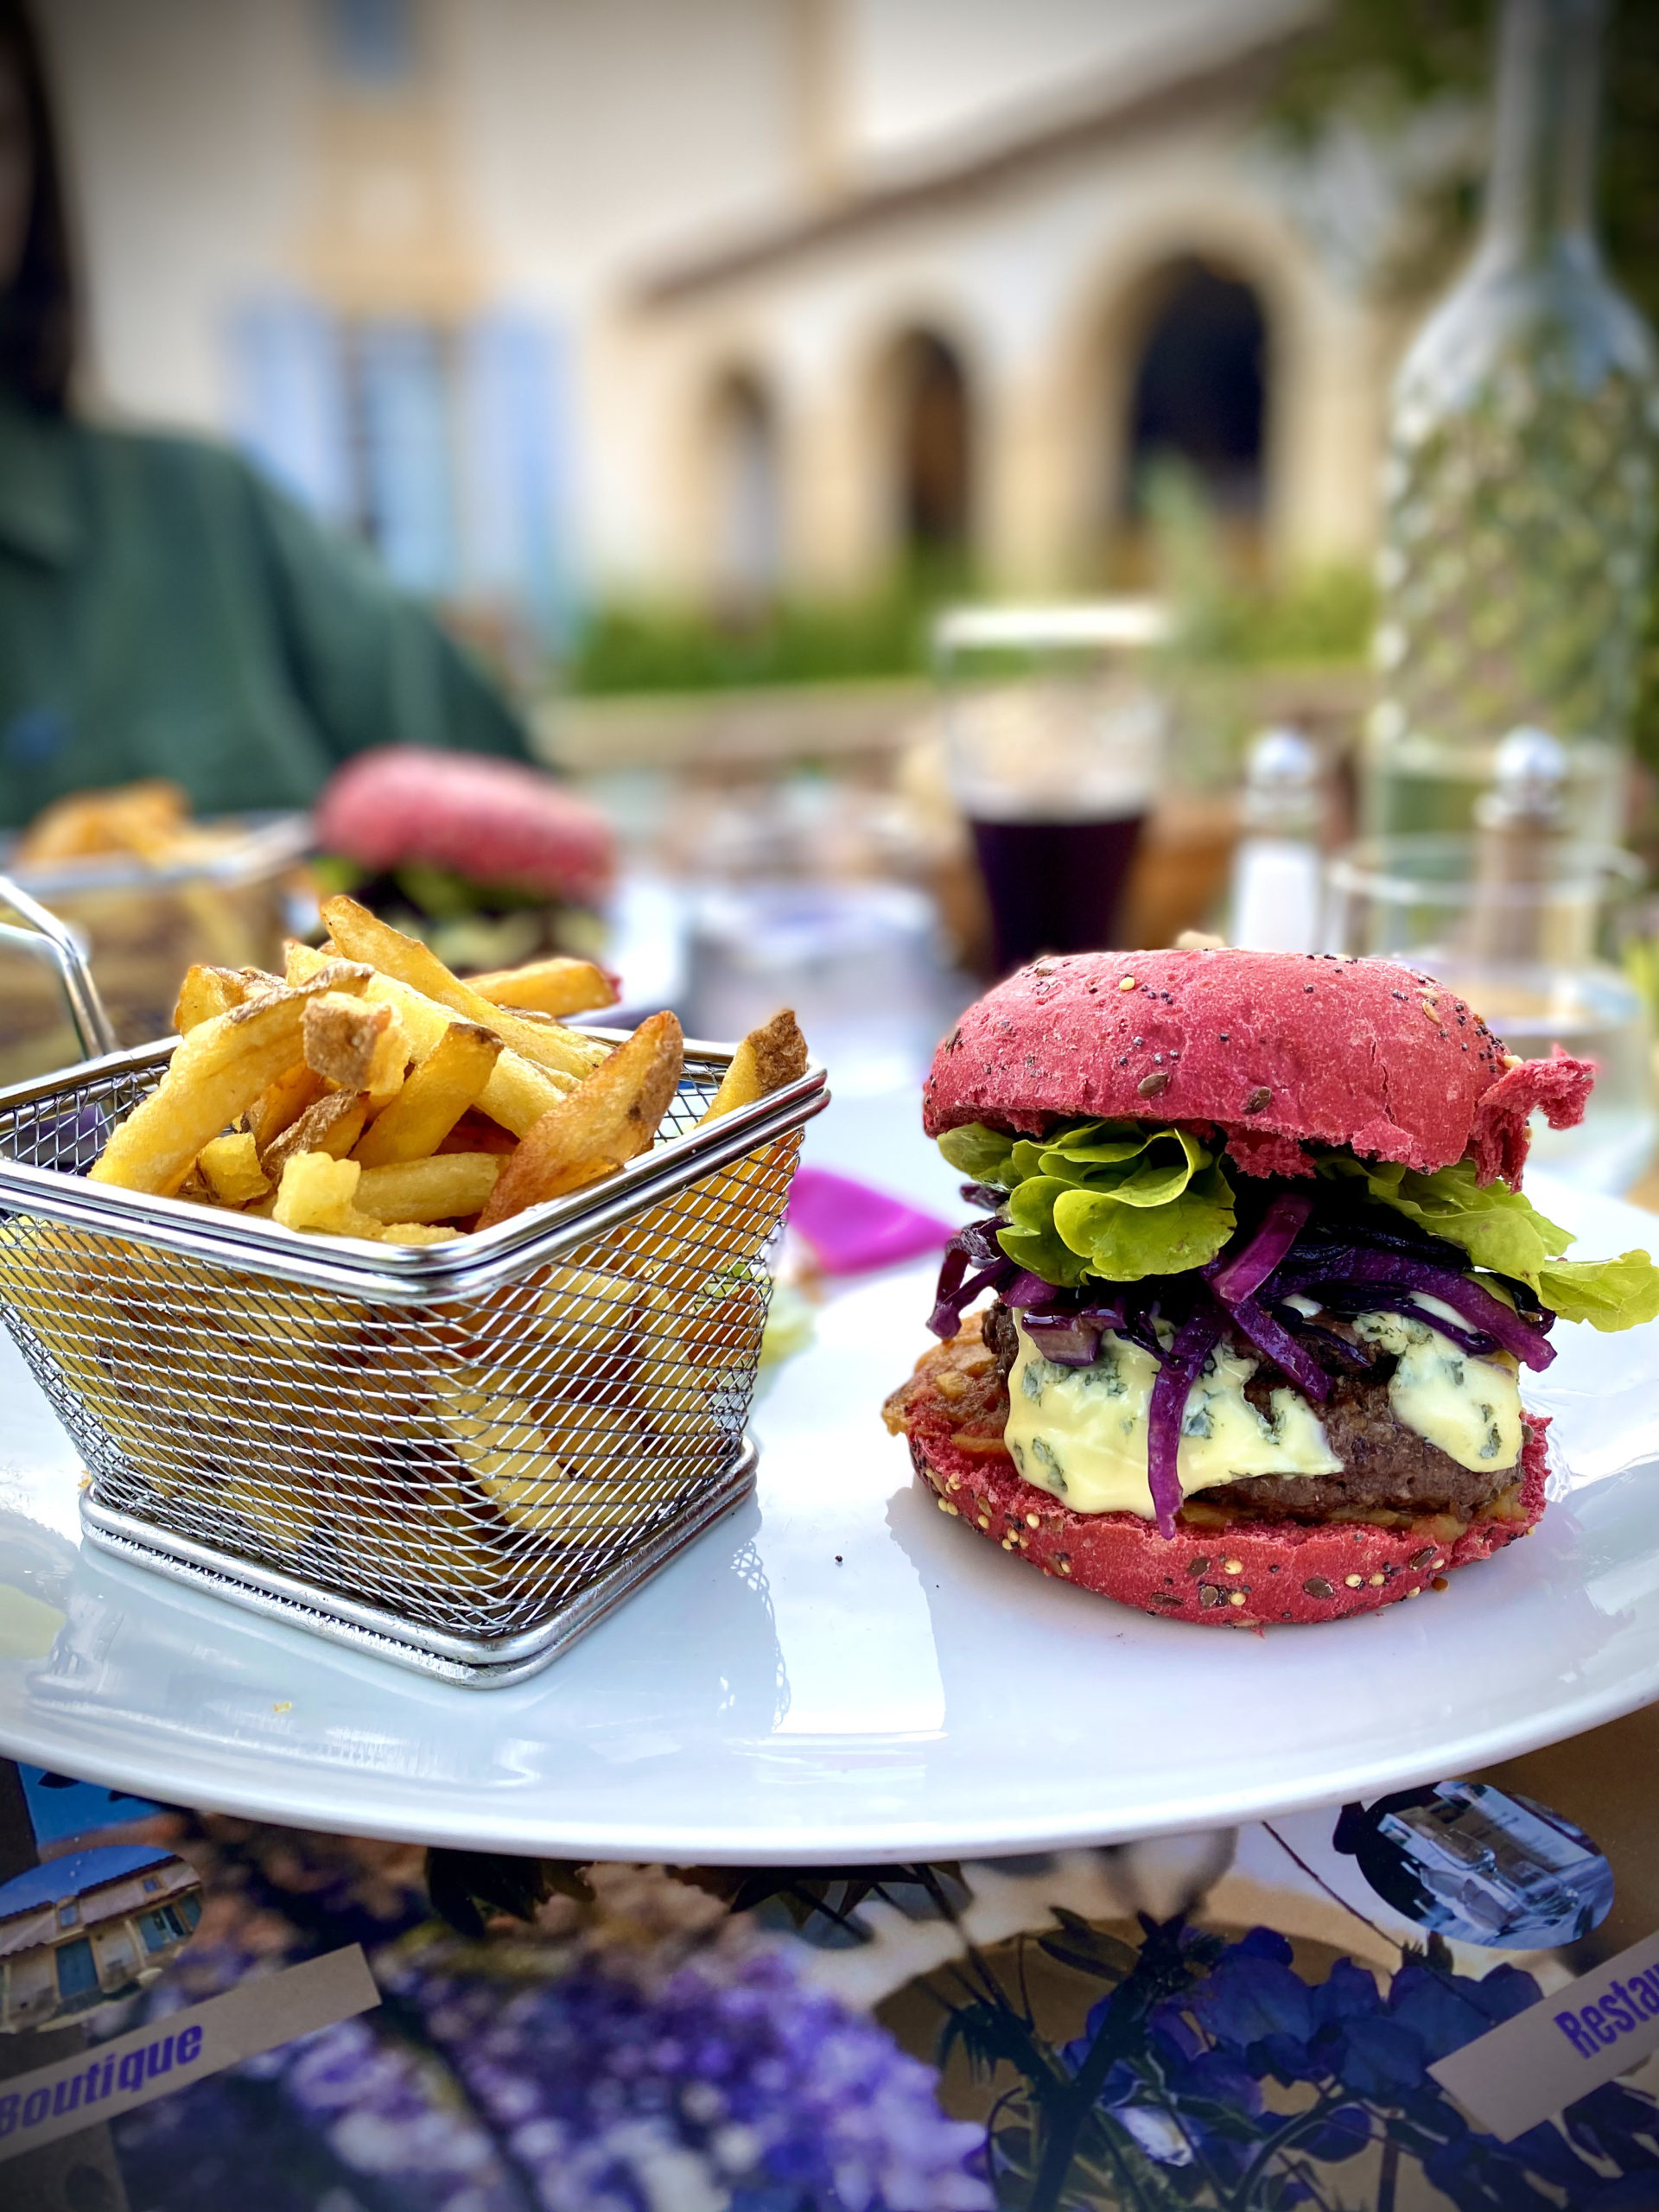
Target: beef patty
(1385, 1467)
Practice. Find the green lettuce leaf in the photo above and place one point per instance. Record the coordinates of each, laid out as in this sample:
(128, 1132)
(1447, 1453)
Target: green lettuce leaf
(980, 1154)
(1115, 1202)
(1496, 1227)
(1607, 1294)
(1125, 1237)
(1031, 1239)
(1500, 1228)
(1102, 1198)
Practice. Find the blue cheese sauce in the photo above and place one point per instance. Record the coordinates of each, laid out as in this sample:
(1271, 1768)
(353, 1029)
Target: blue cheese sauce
(1080, 1433)
(1469, 1406)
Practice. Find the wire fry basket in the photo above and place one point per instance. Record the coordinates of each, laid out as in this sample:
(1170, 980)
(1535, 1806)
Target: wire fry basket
(459, 1456)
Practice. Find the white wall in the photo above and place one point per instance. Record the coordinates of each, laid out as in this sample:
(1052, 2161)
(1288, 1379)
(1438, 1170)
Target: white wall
(583, 141)
(922, 74)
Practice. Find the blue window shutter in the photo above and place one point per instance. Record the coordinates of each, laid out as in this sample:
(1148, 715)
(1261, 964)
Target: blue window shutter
(76, 1971)
(515, 409)
(288, 402)
(406, 456)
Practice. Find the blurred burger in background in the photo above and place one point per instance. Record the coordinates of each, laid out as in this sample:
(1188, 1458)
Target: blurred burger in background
(491, 862)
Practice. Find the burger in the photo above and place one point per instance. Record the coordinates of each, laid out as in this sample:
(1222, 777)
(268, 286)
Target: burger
(1260, 1280)
(491, 862)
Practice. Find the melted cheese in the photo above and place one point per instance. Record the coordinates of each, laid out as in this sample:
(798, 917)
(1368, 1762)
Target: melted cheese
(1081, 1432)
(1469, 1407)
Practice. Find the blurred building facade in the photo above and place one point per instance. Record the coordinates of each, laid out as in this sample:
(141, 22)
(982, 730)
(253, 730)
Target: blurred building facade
(712, 300)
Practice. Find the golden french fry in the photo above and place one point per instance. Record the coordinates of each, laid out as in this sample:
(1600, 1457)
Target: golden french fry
(767, 1059)
(215, 1074)
(319, 1192)
(517, 1093)
(231, 1166)
(453, 1076)
(673, 1242)
(361, 935)
(556, 985)
(342, 1036)
(442, 1188)
(450, 1542)
(331, 1124)
(282, 1105)
(206, 992)
(611, 1119)
(141, 818)
(390, 1062)
(574, 1471)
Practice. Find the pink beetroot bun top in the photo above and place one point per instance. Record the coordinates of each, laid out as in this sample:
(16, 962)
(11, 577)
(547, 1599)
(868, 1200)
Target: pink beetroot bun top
(1273, 1048)
(498, 822)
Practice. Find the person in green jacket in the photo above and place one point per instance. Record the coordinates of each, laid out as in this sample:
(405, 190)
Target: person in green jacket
(163, 610)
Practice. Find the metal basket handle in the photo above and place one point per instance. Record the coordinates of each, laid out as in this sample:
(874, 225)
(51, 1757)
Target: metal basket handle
(94, 1029)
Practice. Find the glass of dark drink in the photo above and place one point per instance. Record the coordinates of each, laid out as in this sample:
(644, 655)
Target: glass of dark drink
(1054, 732)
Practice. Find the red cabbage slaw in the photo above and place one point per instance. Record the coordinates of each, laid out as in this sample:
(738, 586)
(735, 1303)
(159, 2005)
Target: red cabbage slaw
(1349, 1263)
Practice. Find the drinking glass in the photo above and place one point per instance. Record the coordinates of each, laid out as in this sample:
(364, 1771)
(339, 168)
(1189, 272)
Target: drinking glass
(1053, 736)
(1533, 956)
(858, 962)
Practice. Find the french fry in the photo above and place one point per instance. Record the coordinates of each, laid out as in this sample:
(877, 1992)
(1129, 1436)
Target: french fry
(556, 985)
(279, 1108)
(673, 1241)
(417, 1232)
(331, 1124)
(362, 936)
(231, 1166)
(444, 1188)
(205, 993)
(342, 1037)
(390, 1063)
(767, 1059)
(476, 1132)
(518, 1094)
(610, 1119)
(142, 818)
(318, 1192)
(215, 1074)
(453, 1076)
(564, 1468)
(447, 1545)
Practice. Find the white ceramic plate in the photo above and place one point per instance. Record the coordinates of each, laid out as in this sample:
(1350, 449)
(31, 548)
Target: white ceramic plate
(841, 1672)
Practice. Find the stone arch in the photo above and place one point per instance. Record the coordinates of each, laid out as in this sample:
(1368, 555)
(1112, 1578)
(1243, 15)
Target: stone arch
(924, 445)
(1199, 394)
(1200, 275)
(743, 501)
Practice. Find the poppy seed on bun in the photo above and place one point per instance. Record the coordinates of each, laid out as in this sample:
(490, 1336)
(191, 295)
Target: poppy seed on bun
(1276, 1049)
(1248, 1574)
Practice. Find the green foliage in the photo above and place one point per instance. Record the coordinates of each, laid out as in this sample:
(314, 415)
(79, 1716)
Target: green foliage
(638, 648)
(1321, 614)
(1387, 55)
(1384, 58)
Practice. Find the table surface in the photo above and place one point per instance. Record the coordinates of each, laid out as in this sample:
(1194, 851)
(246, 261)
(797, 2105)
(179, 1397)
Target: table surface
(831, 1674)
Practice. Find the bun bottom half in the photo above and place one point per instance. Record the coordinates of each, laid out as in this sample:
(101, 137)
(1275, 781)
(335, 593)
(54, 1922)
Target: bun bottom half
(1251, 1574)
